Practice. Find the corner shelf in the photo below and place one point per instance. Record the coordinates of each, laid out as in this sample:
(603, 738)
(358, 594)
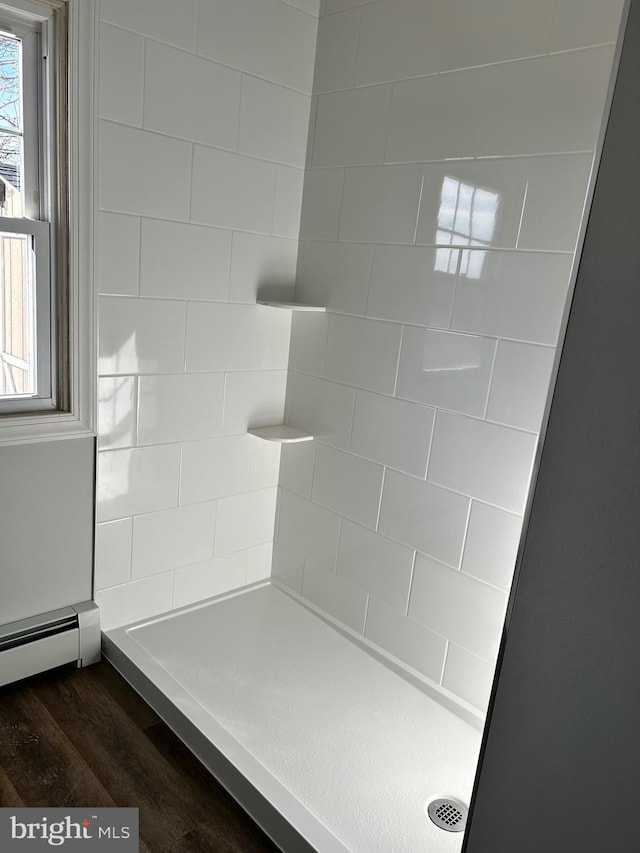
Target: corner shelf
(291, 306)
(280, 433)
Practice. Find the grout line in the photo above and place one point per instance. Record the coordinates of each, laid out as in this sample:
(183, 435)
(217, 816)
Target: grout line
(395, 381)
(491, 373)
(433, 435)
(407, 547)
(468, 159)
(415, 231)
(358, 34)
(524, 207)
(430, 444)
(444, 662)
(144, 82)
(465, 535)
(456, 283)
(341, 208)
(340, 11)
(224, 396)
(411, 576)
(276, 521)
(384, 474)
(466, 69)
(225, 228)
(192, 158)
(348, 449)
(210, 147)
(197, 32)
(486, 583)
(554, 18)
(237, 146)
(180, 471)
(298, 282)
(139, 288)
(335, 562)
(234, 372)
(369, 277)
(569, 253)
(325, 347)
(198, 54)
(232, 249)
(204, 58)
(274, 196)
(173, 589)
(392, 87)
(311, 134)
(219, 227)
(313, 472)
(185, 327)
(366, 615)
(136, 411)
(302, 11)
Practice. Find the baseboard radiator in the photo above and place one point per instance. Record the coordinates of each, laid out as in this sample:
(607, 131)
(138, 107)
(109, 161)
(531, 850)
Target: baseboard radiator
(43, 642)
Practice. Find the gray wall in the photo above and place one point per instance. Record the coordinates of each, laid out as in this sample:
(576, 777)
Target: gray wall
(560, 771)
(46, 526)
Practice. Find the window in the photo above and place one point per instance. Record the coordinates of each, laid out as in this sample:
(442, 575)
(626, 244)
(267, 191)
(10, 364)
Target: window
(33, 207)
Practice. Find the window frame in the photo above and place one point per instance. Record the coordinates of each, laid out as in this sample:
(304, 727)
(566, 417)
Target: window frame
(42, 79)
(75, 47)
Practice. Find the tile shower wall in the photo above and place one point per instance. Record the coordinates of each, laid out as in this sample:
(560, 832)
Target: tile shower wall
(452, 143)
(204, 116)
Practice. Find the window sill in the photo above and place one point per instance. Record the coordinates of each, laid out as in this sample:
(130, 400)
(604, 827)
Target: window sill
(45, 426)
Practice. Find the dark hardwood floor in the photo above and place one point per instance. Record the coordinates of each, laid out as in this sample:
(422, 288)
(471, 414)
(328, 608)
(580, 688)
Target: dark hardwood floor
(83, 737)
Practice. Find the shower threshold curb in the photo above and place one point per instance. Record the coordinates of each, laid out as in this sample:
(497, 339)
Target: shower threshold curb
(264, 799)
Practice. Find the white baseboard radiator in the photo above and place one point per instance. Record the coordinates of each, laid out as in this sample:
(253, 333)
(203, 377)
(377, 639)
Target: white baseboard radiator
(43, 642)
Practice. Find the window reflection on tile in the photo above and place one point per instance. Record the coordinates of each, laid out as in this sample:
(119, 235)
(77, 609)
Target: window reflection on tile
(471, 203)
(116, 421)
(467, 217)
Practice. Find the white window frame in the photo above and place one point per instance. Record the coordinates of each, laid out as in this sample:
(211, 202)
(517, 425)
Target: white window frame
(72, 410)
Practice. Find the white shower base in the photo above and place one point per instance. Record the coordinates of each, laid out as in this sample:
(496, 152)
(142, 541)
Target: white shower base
(301, 723)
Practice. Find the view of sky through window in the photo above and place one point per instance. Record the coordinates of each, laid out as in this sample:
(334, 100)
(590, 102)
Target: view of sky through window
(11, 125)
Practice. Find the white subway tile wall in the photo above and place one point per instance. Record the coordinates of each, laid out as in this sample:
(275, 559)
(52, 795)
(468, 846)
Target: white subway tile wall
(450, 151)
(448, 147)
(204, 109)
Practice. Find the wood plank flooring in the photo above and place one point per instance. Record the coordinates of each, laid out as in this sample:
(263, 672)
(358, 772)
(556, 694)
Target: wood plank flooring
(83, 737)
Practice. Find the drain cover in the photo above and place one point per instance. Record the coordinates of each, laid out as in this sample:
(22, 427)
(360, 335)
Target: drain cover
(448, 814)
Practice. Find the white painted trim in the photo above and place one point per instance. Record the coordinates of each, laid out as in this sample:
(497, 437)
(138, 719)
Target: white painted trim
(83, 113)
(83, 85)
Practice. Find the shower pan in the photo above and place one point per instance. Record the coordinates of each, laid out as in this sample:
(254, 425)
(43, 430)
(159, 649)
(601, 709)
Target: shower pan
(325, 746)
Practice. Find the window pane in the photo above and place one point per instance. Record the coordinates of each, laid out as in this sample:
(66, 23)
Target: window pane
(11, 175)
(17, 374)
(11, 142)
(10, 83)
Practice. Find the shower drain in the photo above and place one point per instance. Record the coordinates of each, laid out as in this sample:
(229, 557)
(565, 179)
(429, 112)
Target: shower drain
(448, 814)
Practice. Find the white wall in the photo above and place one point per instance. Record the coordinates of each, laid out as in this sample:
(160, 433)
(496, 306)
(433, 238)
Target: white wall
(204, 110)
(427, 379)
